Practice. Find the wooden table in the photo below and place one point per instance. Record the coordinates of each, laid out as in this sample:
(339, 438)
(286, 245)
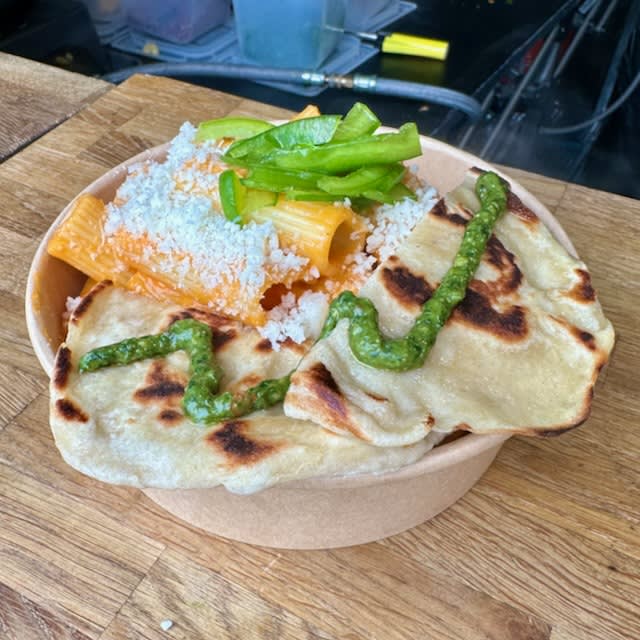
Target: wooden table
(36, 97)
(545, 546)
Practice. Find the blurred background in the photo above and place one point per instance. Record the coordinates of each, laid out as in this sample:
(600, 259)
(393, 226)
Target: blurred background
(543, 75)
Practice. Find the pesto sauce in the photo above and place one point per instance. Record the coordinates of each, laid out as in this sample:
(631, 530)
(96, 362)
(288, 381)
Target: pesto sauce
(201, 401)
(401, 354)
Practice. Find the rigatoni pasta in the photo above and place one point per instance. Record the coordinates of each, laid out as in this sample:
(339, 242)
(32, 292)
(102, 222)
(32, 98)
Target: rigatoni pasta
(323, 232)
(79, 241)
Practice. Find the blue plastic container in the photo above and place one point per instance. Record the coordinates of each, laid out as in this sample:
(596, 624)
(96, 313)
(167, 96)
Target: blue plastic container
(361, 13)
(300, 34)
(178, 21)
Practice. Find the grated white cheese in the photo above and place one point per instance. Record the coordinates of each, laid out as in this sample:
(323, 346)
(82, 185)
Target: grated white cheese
(391, 224)
(174, 205)
(72, 303)
(297, 319)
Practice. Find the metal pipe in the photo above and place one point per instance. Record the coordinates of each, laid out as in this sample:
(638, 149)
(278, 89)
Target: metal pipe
(533, 69)
(472, 127)
(576, 39)
(606, 15)
(547, 70)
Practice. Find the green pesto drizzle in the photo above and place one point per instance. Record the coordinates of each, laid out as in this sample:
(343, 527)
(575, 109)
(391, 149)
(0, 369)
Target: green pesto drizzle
(201, 401)
(401, 354)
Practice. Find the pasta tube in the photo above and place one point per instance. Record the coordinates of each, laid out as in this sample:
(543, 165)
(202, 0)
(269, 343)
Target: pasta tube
(79, 242)
(323, 232)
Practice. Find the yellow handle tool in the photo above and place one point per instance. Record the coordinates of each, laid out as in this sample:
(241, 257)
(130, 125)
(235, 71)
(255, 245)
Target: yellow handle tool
(415, 46)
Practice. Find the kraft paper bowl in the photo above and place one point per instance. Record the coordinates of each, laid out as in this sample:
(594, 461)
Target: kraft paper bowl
(319, 512)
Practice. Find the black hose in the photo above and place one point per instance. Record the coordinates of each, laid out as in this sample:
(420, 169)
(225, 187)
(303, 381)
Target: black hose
(366, 84)
(180, 69)
(428, 93)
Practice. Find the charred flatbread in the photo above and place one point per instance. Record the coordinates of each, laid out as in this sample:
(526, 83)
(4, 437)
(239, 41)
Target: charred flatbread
(520, 354)
(125, 425)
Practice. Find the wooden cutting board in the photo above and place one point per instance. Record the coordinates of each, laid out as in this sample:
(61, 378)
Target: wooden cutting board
(544, 547)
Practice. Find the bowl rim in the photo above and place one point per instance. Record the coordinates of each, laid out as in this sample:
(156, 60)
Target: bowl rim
(441, 456)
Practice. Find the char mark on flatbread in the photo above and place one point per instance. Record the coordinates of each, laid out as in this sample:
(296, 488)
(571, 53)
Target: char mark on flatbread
(559, 430)
(61, 368)
(477, 311)
(264, 346)
(586, 338)
(440, 210)
(241, 385)
(170, 417)
(510, 276)
(375, 397)
(67, 410)
(295, 347)
(514, 204)
(583, 291)
(326, 400)
(327, 388)
(159, 385)
(518, 208)
(84, 304)
(406, 288)
(160, 390)
(233, 442)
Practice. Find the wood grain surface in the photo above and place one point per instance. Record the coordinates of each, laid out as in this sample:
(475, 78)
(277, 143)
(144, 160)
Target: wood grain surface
(545, 546)
(36, 97)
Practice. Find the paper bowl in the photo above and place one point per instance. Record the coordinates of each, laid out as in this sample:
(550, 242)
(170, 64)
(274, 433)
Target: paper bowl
(320, 512)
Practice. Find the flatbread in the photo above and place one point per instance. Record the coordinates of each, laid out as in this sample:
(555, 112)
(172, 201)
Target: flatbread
(520, 354)
(125, 425)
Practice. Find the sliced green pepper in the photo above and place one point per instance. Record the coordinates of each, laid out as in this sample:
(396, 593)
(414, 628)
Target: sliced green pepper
(256, 199)
(359, 121)
(396, 193)
(312, 195)
(363, 179)
(231, 128)
(233, 195)
(237, 200)
(272, 179)
(347, 156)
(306, 131)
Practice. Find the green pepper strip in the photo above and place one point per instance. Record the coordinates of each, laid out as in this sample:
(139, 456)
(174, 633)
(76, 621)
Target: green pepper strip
(233, 195)
(347, 156)
(397, 192)
(359, 121)
(363, 179)
(307, 131)
(238, 201)
(279, 180)
(231, 128)
(401, 354)
(200, 402)
(311, 195)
